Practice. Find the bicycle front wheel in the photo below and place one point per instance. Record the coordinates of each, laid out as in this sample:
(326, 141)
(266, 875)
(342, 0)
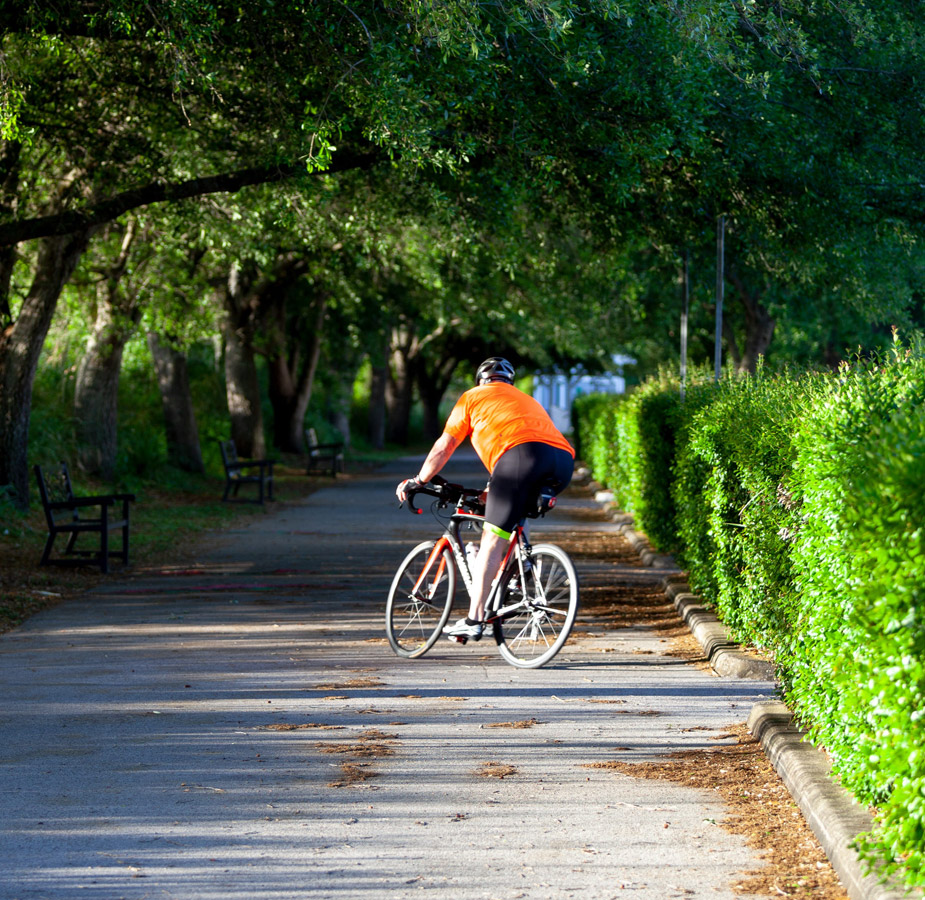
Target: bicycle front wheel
(420, 599)
(536, 618)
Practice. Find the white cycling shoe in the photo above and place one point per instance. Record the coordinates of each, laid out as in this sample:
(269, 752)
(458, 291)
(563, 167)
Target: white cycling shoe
(464, 631)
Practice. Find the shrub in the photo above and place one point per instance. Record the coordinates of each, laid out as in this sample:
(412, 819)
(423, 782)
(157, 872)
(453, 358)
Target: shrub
(737, 511)
(856, 660)
(798, 508)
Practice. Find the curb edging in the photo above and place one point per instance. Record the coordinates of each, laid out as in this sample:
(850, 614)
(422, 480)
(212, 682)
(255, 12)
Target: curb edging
(834, 816)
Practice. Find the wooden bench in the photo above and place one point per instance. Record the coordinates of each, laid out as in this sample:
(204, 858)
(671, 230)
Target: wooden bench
(323, 459)
(67, 514)
(246, 471)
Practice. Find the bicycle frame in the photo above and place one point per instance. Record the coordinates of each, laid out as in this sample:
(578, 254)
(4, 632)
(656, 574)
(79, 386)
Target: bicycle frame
(451, 538)
(532, 600)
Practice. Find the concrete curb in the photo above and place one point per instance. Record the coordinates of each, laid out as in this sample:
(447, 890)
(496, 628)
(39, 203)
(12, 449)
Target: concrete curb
(725, 656)
(835, 817)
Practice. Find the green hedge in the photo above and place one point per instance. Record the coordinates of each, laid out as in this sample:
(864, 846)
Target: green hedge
(797, 506)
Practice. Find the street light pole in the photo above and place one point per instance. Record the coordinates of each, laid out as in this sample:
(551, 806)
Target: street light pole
(686, 292)
(720, 263)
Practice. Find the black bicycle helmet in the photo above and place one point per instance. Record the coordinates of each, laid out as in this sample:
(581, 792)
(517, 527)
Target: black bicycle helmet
(494, 368)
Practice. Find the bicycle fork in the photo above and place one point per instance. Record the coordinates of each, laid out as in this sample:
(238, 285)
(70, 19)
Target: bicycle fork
(435, 554)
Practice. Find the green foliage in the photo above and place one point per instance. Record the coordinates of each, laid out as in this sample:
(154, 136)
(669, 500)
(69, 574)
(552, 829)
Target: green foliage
(799, 505)
(648, 425)
(593, 424)
(630, 443)
(733, 471)
(856, 660)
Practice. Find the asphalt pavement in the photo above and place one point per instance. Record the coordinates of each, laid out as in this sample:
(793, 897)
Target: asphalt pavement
(239, 728)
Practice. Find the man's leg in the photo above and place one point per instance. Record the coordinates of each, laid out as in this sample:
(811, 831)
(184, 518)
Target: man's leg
(491, 552)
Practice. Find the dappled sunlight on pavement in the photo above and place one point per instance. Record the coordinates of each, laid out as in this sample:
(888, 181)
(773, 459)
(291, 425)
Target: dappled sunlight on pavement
(239, 727)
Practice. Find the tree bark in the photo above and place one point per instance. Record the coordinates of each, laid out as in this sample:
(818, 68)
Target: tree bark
(341, 414)
(96, 395)
(241, 385)
(96, 392)
(20, 348)
(432, 382)
(9, 185)
(399, 393)
(759, 327)
(75, 220)
(182, 433)
(378, 385)
(292, 379)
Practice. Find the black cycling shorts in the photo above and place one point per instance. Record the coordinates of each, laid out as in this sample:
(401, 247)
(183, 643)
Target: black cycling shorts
(519, 474)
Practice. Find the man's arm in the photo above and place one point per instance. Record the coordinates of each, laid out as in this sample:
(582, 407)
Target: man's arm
(438, 457)
(441, 451)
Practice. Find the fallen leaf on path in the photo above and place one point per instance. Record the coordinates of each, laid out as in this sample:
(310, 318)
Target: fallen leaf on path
(495, 770)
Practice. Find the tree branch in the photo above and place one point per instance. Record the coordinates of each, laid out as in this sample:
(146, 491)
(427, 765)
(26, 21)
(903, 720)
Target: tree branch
(107, 210)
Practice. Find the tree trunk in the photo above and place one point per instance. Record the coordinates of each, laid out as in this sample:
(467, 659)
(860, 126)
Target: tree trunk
(241, 384)
(20, 347)
(342, 421)
(96, 392)
(432, 382)
(399, 394)
(96, 396)
(9, 186)
(243, 393)
(759, 327)
(430, 400)
(291, 383)
(183, 449)
(341, 401)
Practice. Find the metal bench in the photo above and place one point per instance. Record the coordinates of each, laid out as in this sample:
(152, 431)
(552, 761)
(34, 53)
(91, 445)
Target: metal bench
(323, 459)
(246, 471)
(67, 514)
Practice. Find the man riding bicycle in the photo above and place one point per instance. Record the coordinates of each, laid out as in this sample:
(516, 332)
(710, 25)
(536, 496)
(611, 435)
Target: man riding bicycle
(523, 451)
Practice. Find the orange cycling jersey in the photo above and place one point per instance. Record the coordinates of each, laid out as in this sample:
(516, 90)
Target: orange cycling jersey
(498, 416)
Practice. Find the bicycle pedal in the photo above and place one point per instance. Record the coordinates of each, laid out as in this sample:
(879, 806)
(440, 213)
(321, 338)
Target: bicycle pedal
(457, 638)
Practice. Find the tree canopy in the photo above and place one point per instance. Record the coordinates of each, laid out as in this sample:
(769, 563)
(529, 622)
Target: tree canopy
(440, 171)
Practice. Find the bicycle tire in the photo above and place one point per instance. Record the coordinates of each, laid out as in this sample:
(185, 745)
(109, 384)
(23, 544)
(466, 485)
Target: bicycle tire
(534, 631)
(414, 620)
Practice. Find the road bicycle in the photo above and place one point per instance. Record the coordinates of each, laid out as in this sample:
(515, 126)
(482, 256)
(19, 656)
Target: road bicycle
(533, 600)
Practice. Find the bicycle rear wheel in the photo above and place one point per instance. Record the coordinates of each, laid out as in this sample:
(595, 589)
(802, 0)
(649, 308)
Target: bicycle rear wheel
(420, 600)
(542, 612)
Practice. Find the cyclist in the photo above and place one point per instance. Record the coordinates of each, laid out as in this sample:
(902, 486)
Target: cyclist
(523, 451)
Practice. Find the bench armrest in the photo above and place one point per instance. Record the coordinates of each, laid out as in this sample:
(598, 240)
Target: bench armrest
(106, 498)
(77, 502)
(335, 446)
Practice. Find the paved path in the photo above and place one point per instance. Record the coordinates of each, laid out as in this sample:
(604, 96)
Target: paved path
(240, 729)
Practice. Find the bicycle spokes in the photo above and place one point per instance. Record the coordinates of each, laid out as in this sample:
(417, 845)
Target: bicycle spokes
(536, 616)
(420, 599)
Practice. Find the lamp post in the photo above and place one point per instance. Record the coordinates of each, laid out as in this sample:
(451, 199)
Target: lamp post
(686, 295)
(720, 248)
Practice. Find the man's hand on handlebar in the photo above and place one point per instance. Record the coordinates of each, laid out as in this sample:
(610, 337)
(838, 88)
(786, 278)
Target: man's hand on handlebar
(405, 487)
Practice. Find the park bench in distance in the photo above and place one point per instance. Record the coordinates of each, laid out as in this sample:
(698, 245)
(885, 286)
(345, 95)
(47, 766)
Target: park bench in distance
(246, 471)
(67, 514)
(323, 459)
